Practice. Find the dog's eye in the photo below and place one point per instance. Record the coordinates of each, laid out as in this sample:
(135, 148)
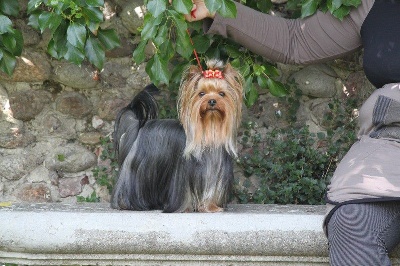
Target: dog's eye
(222, 94)
(201, 94)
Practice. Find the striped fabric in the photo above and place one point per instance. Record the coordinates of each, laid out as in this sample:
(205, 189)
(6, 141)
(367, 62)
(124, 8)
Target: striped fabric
(363, 234)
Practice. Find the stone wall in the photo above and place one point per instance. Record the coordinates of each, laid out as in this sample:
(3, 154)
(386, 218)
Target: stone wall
(53, 114)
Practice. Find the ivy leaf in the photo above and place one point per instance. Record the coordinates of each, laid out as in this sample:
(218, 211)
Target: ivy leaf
(108, 38)
(354, 3)
(95, 52)
(262, 81)
(264, 6)
(182, 6)
(227, 9)
(138, 54)
(5, 24)
(49, 20)
(156, 7)
(309, 7)
(95, 3)
(7, 64)
(73, 54)
(76, 35)
(276, 88)
(251, 93)
(212, 5)
(9, 42)
(341, 12)
(33, 21)
(9, 7)
(334, 4)
(33, 5)
(92, 14)
(13, 42)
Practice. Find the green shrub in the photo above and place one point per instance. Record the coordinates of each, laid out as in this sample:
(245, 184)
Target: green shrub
(292, 165)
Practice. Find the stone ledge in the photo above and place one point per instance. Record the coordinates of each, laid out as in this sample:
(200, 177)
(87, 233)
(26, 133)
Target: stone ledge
(94, 234)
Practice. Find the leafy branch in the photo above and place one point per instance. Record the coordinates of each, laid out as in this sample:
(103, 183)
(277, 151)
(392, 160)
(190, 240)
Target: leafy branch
(11, 40)
(174, 40)
(75, 29)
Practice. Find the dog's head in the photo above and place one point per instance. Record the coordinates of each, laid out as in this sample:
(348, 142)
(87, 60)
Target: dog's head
(210, 106)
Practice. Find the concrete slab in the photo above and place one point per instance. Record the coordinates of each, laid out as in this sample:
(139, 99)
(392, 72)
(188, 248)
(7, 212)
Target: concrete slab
(94, 234)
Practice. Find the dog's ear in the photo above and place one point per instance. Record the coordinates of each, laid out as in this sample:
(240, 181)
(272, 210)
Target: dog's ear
(228, 69)
(193, 71)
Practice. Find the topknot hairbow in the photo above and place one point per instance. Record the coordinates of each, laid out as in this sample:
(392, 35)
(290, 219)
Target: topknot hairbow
(209, 73)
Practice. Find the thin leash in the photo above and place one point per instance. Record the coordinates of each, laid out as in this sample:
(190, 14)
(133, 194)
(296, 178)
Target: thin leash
(194, 51)
(209, 73)
(191, 41)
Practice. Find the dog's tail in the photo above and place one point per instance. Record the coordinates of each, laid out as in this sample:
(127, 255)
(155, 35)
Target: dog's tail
(131, 118)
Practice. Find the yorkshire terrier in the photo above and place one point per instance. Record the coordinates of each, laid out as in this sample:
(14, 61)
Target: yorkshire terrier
(180, 165)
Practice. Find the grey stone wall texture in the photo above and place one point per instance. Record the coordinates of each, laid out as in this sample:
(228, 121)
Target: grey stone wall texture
(53, 114)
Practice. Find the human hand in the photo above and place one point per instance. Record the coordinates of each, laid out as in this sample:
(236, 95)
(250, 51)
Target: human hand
(199, 11)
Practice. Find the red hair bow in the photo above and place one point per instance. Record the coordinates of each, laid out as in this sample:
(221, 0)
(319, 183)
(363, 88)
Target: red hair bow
(213, 74)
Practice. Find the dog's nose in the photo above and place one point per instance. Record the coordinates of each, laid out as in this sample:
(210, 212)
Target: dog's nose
(212, 102)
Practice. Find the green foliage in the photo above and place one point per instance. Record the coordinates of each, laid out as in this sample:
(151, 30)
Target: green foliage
(75, 30)
(175, 40)
(292, 165)
(289, 167)
(92, 198)
(105, 175)
(11, 40)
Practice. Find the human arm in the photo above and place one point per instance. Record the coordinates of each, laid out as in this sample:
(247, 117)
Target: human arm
(318, 38)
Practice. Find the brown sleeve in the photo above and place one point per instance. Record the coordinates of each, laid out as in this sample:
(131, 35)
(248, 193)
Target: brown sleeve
(320, 37)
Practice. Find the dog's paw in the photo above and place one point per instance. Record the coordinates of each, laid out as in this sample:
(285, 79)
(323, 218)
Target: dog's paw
(211, 208)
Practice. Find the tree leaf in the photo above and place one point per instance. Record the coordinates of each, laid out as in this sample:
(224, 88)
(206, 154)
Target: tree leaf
(9, 7)
(156, 7)
(162, 34)
(108, 38)
(276, 88)
(184, 46)
(182, 6)
(158, 70)
(176, 75)
(76, 35)
(150, 26)
(138, 54)
(201, 43)
(95, 52)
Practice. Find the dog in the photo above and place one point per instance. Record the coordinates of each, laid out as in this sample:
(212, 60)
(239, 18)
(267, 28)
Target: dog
(183, 165)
